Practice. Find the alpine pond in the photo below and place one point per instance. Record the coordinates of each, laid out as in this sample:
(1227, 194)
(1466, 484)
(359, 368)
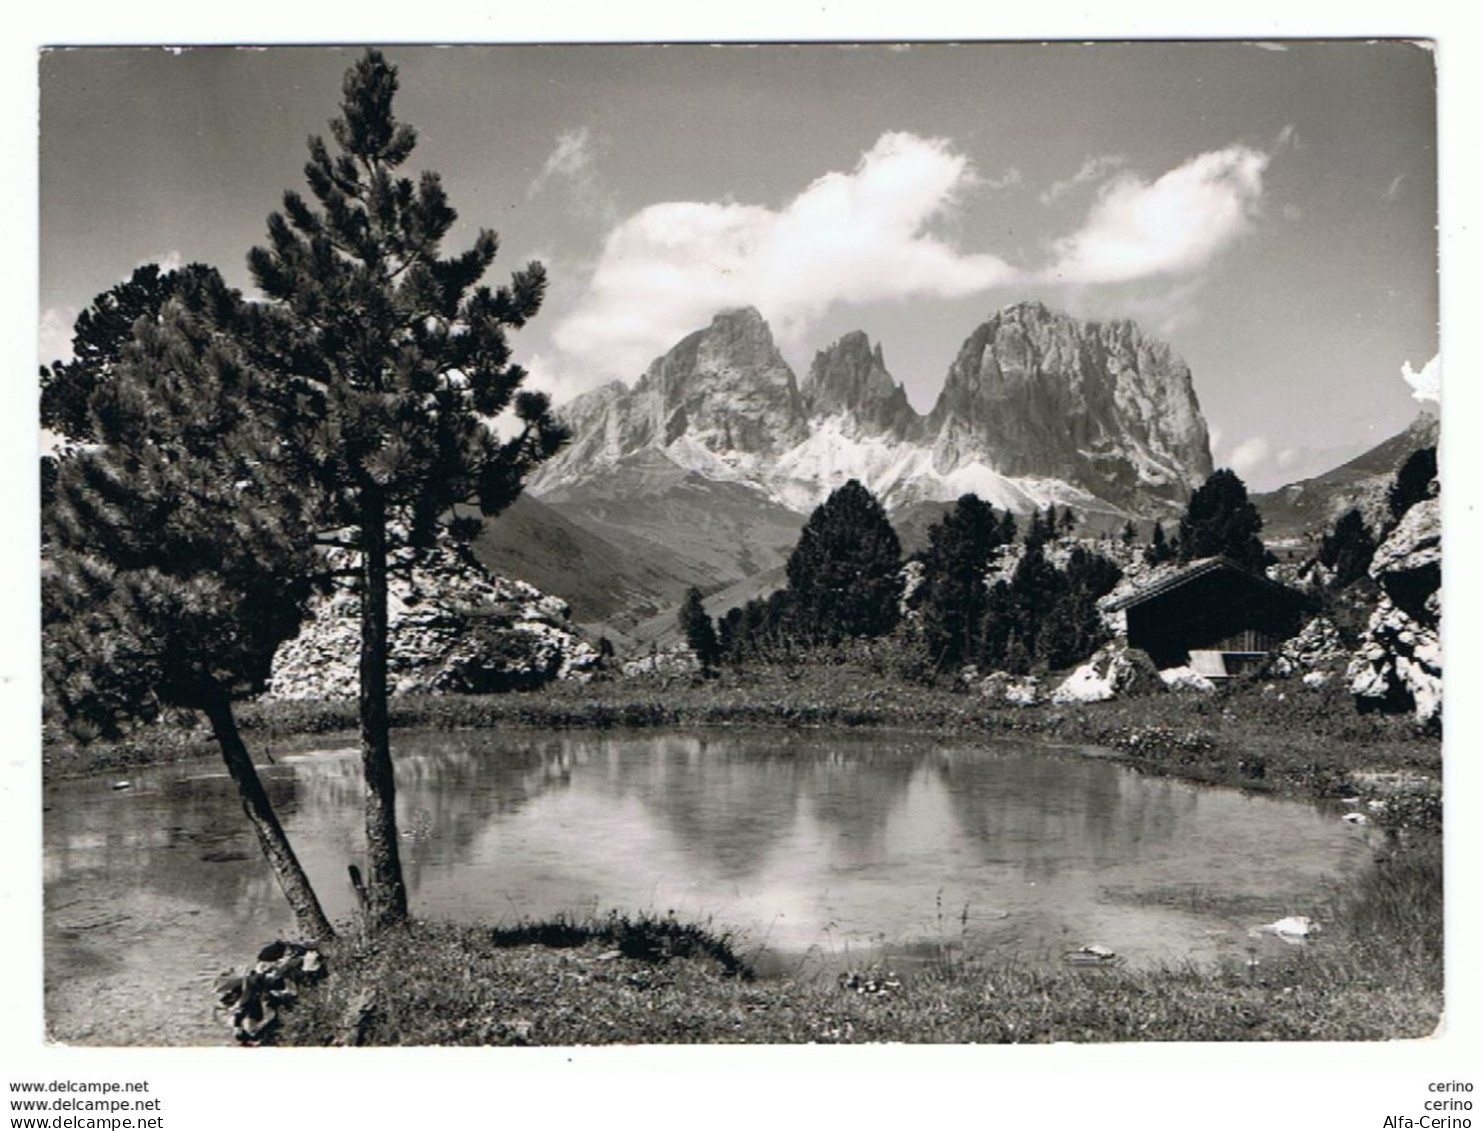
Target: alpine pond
(819, 850)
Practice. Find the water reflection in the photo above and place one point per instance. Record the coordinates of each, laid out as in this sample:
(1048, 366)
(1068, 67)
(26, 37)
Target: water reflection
(810, 844)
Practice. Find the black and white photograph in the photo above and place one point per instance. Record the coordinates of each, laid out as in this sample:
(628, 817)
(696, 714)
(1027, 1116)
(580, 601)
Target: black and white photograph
(599, 555)
(782, 544)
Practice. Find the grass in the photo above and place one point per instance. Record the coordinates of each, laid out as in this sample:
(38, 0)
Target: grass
(1376, 975)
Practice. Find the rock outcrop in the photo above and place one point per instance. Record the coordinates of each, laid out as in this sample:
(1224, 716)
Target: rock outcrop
(720, 402)
(1038, 407)
(849, 380)
(1397, 665)
(1112, 672)
(1036, 393)
(1318, 648)
(454, 627)
(1004, 688)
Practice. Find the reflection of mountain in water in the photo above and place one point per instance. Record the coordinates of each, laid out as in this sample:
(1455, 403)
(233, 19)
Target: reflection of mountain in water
(802, 838)
(1045, 814)
(729, 810)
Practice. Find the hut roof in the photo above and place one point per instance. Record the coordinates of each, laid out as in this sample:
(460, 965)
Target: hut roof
(1196, 569)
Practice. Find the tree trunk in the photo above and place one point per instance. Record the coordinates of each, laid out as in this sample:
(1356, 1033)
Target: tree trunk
(387, 890)
(312, 923)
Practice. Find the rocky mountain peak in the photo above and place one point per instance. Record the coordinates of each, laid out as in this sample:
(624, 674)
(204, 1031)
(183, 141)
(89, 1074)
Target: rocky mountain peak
(849, 379)
(1036, 393)
(724, 388)
(1037, 406)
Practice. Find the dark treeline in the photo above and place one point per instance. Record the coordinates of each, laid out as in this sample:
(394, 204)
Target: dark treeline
(847, 580)
(843, 582)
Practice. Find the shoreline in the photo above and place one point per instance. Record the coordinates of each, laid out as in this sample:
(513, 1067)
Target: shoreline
(1274, 737)
(1303, 746)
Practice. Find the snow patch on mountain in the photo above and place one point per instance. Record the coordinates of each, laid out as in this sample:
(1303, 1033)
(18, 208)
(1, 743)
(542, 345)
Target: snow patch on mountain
(1037, 408)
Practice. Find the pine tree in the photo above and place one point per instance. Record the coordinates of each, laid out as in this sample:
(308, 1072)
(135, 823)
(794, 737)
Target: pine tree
(997, 631)
(99, 336)
(1044, 614)
(1019, 609)
(1411, 483)
(178, 555)
(844, 574)
(1129, 533)
(728, 632)
(1073, 628)
(1347, 549)
(1220, 520)
(1158, 550)
(1051, 523)
(698, 629)
(396, 357)
(954, 593)
(1008, 529)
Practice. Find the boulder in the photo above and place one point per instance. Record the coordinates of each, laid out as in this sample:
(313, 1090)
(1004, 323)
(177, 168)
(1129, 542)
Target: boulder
(1012, 690)
(1114, 671)
(1185, 679)
(1397, 665)
(680, 661)
(251, 999)
(454, 627)
(1317, 648)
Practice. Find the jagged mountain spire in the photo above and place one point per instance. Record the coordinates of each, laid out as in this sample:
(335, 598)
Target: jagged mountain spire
(849, 379)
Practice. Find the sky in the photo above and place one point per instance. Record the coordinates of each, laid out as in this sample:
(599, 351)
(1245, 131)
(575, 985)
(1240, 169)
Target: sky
(1267, 209)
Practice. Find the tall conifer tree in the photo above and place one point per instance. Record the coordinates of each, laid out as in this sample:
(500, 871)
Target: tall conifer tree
(398, 357)
(699, 629)
(955, 593)
(178, 552)
(1221, 520)
(843, 577)
(1347, 549)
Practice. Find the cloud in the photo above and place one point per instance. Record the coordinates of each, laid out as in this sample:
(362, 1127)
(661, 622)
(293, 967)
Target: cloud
(1163, 310)
(573, 164)
(849, 237)
(1173, 225)
(170, 261)
(1425, 386)
(54, 334)
(1264, 467)
(1092, 169)
(1393, 191)
(1249, 456)
(1010, 178)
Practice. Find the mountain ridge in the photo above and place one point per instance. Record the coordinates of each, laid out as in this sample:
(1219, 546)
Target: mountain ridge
(1306, 507)
(1037, 407)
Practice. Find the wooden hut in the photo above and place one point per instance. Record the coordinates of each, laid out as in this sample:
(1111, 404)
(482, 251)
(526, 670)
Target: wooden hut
(1212, 615)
